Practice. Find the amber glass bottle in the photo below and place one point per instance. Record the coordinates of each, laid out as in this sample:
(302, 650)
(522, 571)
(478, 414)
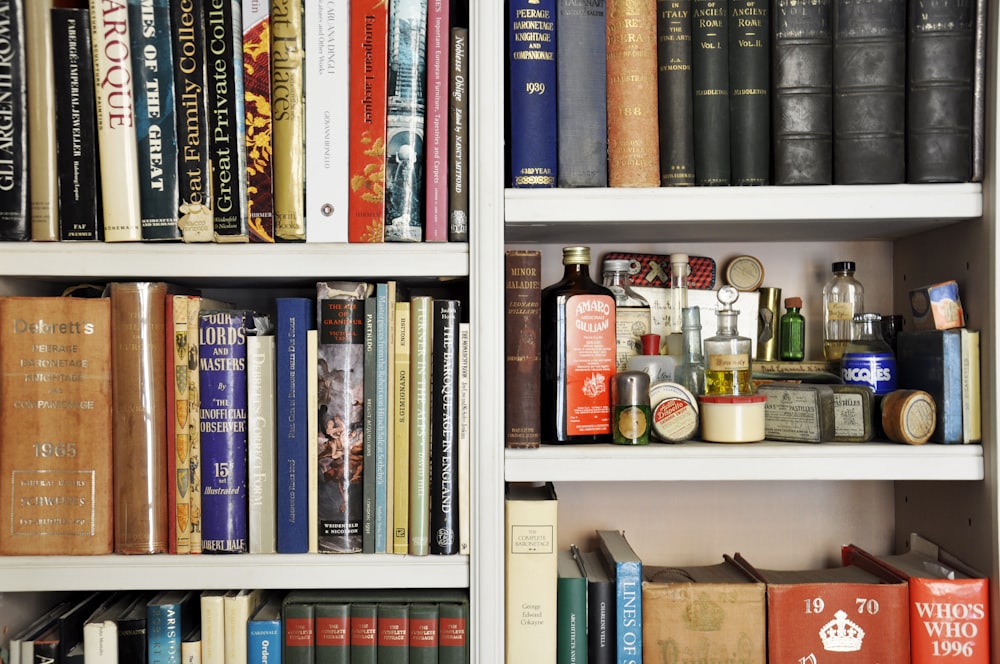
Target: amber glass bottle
(578, 354)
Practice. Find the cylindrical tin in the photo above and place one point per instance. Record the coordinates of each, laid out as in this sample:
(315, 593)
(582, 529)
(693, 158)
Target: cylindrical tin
(630, 417)
(768, 328)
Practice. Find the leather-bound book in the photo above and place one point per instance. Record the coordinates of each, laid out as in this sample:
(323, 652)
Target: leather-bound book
(710, 65)
(673, 30)
(749, 91)
(522, 348)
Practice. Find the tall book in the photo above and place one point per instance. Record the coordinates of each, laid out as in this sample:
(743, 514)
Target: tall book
(195, 195)
(750, 91)
(532, 116)
(401, 429)
(264, 631)
(239, 606)
(138, 357)
(625, 567)
(364, 632)
(710, 78)
(169, 615)
(340, 381)
(288, 120)
(257, 106)
(453, 632)
(39, 102)
(133, 631)
(64, 341)
(327, 84)
(531, 571)
(633, 116)
(939, 90)
(312, 440)
(802, 91)
(368, 479)
(458, 136)
(464, 438)
(299, 638)
(972, 424)
(76, 126)
(581, 91)
(404, 138)
(222, 367)
(601, 627)
(674, 86)
(393, 635)
(869, 92)
(385, 302)
(226, 119)
(292, 322)
(155, 125)
(421, 350)
(178, 416)
(261, 443)
(522, 347)
(333, 632)
(436, 182)
(368, 106)
(212, 604)
(979, 59)
(931, 360)
(444, 507)
(116, 121)
(100, 637)
(423, 633)
(14, 177)
(571, 610)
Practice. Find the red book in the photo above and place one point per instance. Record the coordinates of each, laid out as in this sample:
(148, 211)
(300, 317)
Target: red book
(436, 124)
(366, 206)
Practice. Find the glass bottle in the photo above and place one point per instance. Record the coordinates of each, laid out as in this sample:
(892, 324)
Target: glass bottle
(691, 371)
(793, 331)
(727, 354)
(843, 297)
(659, 367)
(632, 313)
(578, 354)
(680, 270)
(868, 360)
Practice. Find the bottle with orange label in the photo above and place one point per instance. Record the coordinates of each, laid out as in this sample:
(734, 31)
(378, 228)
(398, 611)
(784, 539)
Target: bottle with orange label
(578, 354)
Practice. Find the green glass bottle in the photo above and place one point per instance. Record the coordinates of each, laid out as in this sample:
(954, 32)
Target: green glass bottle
(793, 331)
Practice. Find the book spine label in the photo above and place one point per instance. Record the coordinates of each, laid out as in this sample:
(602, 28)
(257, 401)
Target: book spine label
(14, 176)
(444, 428)
(257, 106)
(223, 373)
(42, 180)
(710, 78)
(420, 425)
(291, 327)
(533, 113)
(522, 356)
(401, 435)
(436, 179)
(673, 30)
(749, 91)
(288, 120)
(458, 137)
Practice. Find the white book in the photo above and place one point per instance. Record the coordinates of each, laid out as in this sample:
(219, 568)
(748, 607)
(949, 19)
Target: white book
(213, 627)
(239, 606)
(100, 632)
(262, 444)
(327, 83)
(464, 436)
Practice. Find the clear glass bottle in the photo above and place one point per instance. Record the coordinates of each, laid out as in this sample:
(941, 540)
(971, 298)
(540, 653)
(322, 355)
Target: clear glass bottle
(578, 354)
(727, 354)
(691, 371)
(659, 367)
(680, 270)
(632, 313)
(868, 360)
(793, 331)
(843, 297)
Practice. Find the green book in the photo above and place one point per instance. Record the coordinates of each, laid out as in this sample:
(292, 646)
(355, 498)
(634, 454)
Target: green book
(571, 611)
(421, 339)
(364, 633)
(453, 633)
(423, 633)
(393, 632)
(299, 644)
(333, 629)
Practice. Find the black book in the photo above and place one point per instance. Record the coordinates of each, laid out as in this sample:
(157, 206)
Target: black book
(939, 90)
(750, 91)
(710, 78)
(447, 314)
(673, 38)
(14, 125)
(869, 91)
(78, 165)
(802, 89)
(601, 619)
(132, 631)
(368, 477)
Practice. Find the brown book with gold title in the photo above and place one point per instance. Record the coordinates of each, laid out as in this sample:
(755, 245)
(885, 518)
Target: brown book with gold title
(55, 424)
(522, 351)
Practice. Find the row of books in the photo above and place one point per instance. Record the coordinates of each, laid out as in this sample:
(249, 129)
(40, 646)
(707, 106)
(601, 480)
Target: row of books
(179, 423)
(610, 605)
(248, 627)
(189, 121)
(744, 92)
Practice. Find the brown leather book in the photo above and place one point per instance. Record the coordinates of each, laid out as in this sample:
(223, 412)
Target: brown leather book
(522, 353)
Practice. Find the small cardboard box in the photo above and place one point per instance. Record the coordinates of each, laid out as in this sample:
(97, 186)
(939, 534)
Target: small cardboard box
(937, 307)
(842, 614)
(703, 614)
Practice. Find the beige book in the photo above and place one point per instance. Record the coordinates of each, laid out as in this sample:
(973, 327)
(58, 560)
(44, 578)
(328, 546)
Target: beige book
(213, 626)
(42, 120)
(972, 414)
(401, 431)
(239, 606)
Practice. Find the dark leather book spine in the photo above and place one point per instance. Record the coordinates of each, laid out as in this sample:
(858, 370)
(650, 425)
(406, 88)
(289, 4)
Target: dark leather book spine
(444, 428)
(581, 62)
(869, 92)
(750, 91)
(14, 153)
(673, 38)
(532, 93)
(802, 87)
(939, 90)
(522, 353)
(979, 93)
(710, 78)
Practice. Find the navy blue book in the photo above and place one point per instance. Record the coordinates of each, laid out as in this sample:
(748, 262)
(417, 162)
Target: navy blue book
(533, 114)
(222, 370)
(293, 320)
(446, 316)
(169, 615)
(931, 360)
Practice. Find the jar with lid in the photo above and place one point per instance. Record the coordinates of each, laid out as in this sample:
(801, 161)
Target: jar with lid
(793, 331)
(843, 297)
(632, 312)
(578, 354)
(727, 354)
(868, 360)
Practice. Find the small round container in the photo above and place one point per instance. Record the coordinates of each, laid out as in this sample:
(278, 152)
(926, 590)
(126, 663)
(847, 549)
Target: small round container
(675, 412)
(908, 416)
(745, 273)
(732, 419)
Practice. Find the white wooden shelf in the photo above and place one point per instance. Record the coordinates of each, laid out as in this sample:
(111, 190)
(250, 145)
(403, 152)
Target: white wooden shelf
(41, 573)
(697, 461)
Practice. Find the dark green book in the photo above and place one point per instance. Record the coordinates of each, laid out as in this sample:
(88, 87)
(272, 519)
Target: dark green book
(423, 633)
(393, 638)
(453, 632)
(571, 610)
(673, 39)
(333, 629)
(299, 625)
(364, 633)
(710, 78)
(749, 91)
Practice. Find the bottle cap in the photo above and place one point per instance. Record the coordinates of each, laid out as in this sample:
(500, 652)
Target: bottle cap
(650, 344)
(630, 387)
(616, 265)
(577, 255)
(867, 316)
(791, 302)
(843, 266)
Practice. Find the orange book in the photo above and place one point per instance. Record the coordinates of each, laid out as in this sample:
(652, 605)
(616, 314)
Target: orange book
(366, 203)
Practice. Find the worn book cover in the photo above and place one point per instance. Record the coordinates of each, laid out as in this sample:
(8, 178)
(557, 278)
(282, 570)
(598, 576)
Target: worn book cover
(41, 117)
(458, 136)
(55, 415)
(675, 92)
(533, 118)
(14, 181)
(257, 105)
(178, 417)
(522, 347)
(710, 78)
(444, 507)
(288, 120)
(750, 91)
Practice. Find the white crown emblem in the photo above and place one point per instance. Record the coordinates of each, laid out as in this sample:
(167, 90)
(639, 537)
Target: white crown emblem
(841, 634)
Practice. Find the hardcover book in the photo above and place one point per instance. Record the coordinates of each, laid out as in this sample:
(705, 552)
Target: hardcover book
(133, 631)
(405, 118)
(14, 182)
(710, 78)
(571, 610)
(522, 348)
(633, 105)
(57, 480)
(458, 136)
(23, 639)
(76, 126)
(931, 360)
(364, 632)
(169, 615)
(239, 606)
(368, 480)
(299, 624)
(288, 120)
(257, 106)
(750, 91)
(213, 626)
(155, 127)
(675, 92)
(393, 636)
(264, 631)
(261, 443)
(423, 642)
(401, 430)
(532, 118)
(41, 116)
(625, 567)
(453, 632)
(436, 180)
(340, 381)
(178, 417)
(601, 627)
(421, 350)
(464, 438)
(100, 629)
(385, 303)
(333, 632)
(444, 507)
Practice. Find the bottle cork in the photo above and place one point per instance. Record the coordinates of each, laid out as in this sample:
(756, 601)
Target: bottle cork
(908, 416)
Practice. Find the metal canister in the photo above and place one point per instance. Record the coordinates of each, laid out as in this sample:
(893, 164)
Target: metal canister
(768, 329)
(630, 415)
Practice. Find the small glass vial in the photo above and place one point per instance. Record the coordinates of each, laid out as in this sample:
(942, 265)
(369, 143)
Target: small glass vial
(632, 313)
(658, 367)
(680, 270)
(793, 331)
(843, 297)
(727, 354)
(631, 418)
(691, 371)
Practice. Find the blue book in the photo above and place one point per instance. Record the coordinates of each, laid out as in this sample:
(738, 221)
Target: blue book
(533, 105)
(170, 614)
(222, 370)
(625, 568)
(931, 360)
(292, 322)
(264, 632)
(382, 497)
